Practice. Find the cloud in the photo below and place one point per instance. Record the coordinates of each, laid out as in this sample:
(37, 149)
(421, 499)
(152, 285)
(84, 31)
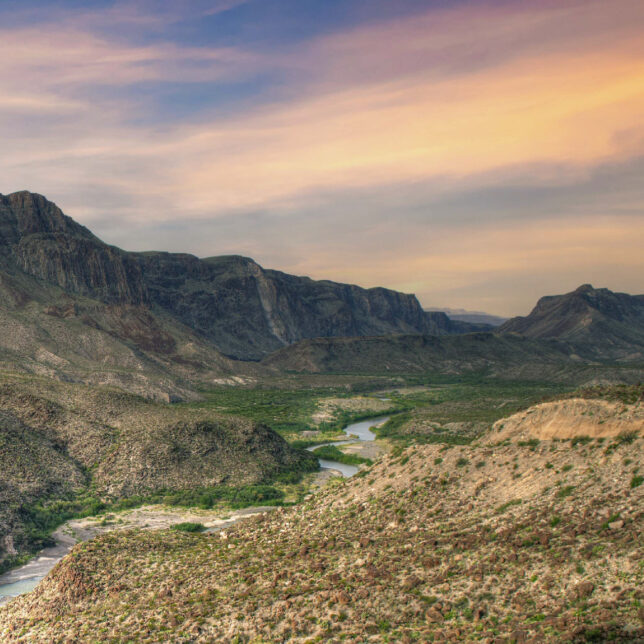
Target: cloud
(377, 142)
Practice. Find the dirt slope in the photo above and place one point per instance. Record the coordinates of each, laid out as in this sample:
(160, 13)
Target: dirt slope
(570, 418)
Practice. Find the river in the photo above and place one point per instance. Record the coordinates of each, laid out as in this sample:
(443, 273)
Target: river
(361, 430)
(25, 578)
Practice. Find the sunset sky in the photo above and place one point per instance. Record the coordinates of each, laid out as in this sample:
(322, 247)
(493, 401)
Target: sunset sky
(478, 154)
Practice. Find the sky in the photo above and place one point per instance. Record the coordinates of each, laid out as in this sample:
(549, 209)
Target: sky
(478, 154)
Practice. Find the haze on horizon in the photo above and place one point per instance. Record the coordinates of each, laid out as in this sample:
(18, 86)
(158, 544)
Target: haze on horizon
(477, 154)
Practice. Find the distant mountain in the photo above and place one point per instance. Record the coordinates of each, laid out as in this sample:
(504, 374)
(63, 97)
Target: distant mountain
(230, 304)
(599, 323)
(474, 352)
(471, 317)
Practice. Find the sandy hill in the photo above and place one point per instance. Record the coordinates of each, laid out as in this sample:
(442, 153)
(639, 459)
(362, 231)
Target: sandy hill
(570, 418)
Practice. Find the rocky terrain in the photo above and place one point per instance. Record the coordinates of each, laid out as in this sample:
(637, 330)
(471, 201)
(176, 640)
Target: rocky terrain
(533, 540)
(599, 323)
(61, 441)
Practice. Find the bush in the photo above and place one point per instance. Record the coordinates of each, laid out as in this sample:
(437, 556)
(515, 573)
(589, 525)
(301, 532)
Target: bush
(502, 508)
(188, 526)
(636, 481)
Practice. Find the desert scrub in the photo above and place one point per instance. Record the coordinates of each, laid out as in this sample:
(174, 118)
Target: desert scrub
(502, 508)
(565, 491)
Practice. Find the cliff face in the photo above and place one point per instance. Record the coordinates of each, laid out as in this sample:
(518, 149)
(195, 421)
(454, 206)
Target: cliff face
(598, 322)
(40, 240)
(244, 310)
(247, 311)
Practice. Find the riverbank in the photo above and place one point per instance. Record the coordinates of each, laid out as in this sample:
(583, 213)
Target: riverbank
(25, 578)
(360, 441)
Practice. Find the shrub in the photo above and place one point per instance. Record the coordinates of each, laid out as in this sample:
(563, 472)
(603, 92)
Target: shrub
(189, 526)
(636, 481)
(626, 437)
(565, 491)
(509, 504)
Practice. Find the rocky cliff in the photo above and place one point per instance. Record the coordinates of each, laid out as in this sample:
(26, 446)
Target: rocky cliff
(244, 310)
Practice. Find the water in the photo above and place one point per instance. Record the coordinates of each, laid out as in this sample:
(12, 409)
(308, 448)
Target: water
(18, 587)
(361, 430)
(26, 578)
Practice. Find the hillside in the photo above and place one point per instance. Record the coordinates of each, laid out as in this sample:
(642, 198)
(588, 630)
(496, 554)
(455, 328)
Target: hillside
(598, 322)
(473, 352)
(61, 441)
(506, 542)
(231, 303)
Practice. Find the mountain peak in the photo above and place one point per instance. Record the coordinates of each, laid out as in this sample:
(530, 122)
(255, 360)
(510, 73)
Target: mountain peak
(27, 213)
(599, 321)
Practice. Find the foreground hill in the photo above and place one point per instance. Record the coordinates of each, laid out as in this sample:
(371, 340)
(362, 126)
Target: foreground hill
(232, 303)
(62, 442)
(599, 323)
(506, 542)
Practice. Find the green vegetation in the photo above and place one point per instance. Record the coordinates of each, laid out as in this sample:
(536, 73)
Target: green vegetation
(502, 508)
(456, 410)
(189, 526)
(636, 481)
(332, 453)
(288, 410)
(42, 518)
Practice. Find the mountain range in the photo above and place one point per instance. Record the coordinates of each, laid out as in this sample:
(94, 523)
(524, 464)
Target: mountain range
(599, 323)
(472, 317)
(156, 323)
(232, 303)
